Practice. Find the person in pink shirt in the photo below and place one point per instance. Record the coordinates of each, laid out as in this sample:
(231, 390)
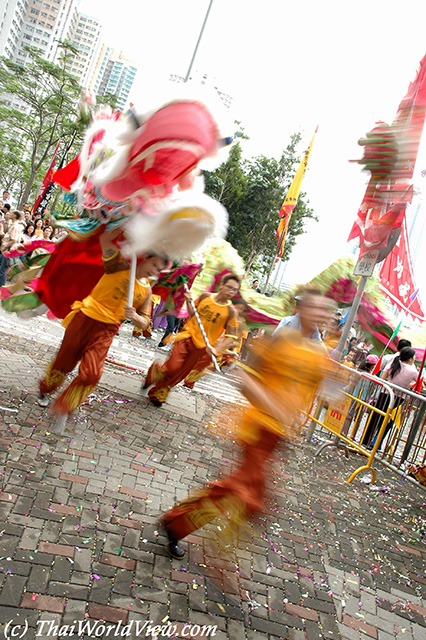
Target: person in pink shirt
(402, 372)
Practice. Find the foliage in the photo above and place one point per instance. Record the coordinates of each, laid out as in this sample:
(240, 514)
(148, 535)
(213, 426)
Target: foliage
(253, 191)
(47, 97)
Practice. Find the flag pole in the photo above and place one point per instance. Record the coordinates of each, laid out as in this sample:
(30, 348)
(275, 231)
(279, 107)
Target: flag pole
(419, 377)
(378, 366)
(273, 261)
(289, 205)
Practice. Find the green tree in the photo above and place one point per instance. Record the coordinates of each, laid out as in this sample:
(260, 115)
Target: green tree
(13, 168)
(253, 192)
(49, 97)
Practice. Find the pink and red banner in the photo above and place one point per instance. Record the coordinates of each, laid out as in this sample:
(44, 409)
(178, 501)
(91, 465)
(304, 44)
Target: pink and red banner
(383, 207)
(397, 278)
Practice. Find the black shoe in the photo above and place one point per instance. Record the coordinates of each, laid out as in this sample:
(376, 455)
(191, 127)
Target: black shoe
(42, 400)
(175, 549)
(155, 402)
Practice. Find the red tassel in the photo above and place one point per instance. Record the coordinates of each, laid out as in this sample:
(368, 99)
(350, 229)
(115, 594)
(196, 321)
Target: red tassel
(419, 386)
(377, 366)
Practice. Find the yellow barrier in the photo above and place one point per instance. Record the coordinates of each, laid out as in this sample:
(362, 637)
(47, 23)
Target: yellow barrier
(336, 417)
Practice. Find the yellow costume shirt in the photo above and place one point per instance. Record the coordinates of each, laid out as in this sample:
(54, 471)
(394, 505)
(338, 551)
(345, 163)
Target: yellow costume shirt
(291, 367)
(214, 318)
(108, 299)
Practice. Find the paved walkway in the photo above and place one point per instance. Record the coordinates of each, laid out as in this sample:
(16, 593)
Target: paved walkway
(79, 541)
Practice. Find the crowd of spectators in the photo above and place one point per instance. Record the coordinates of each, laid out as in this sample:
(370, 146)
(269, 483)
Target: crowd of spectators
(23, 225)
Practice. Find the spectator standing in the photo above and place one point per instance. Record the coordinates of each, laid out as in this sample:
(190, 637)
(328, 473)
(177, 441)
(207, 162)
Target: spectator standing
(402, 372)
(388, 359)
(172, 323)
(38, 231)
(28, 233)
(255, 286)
(27, 209)
(13, 235)
(6, 217)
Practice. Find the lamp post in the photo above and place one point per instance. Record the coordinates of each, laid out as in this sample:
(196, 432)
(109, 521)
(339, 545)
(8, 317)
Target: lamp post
(188, 73)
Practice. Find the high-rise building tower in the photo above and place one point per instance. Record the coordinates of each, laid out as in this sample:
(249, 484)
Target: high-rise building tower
(115, 76)
(12, 15)
(38, 23)
(38, 27)
(86, 37)
(64, 26)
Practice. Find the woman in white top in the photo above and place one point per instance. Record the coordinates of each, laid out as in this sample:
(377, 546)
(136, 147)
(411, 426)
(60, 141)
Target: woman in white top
(29, 230)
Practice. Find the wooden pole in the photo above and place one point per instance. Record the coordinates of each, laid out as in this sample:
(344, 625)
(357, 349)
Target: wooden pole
(132, 278)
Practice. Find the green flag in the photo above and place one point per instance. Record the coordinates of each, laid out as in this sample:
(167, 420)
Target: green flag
(396, 331)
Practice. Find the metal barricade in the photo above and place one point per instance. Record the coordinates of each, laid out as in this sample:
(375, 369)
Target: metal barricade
(374, 418)
(359, 420)
(406, 444)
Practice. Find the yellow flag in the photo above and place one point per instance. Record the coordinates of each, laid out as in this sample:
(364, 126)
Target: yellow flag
(396, 416)
(291, 198)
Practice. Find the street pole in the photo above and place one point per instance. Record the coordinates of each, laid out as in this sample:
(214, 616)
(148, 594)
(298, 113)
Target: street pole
(351, 317)
(188, 73)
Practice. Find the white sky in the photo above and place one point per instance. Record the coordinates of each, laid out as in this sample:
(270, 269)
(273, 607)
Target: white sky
(289, 66)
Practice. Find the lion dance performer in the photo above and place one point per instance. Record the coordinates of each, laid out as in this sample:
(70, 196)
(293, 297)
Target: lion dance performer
(278, 382)
(92, 325)
(190, 353)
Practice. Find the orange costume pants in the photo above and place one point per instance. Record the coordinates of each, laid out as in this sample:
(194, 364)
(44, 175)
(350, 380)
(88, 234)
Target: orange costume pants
(239, 496)
(223, 361)
(86, 341)
(184, 359)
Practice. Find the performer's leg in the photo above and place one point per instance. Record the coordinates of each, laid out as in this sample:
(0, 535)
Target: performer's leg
(201, 369)
(193, 377)
(240, 494)
(184, 358)
(70, 351)
(90, 369)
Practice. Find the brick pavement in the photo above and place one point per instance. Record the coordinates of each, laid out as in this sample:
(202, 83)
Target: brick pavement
(79, 539)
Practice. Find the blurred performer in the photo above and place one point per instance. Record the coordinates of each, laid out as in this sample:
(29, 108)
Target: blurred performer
(189, 353)
(92, 325)
(294, 321)
(278, 382)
